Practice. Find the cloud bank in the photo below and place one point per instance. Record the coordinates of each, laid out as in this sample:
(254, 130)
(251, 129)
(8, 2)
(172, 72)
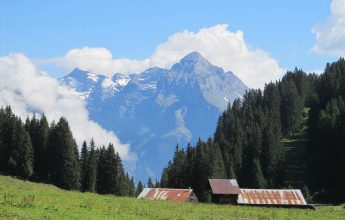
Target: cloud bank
(217, 44)
(330, 35)
(27, 90)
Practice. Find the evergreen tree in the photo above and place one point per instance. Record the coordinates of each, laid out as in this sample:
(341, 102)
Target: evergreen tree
(165, 178)
(291, 107)
(132, 192)
(93, 167)
(7, 127)
(150, 183)
(20, 162)
(101, 171)
(63, 156)
(258, 178)
(40, 145)
(85, 168)
(140, 188)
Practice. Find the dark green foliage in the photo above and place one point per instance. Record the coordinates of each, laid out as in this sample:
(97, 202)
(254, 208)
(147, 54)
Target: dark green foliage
(132, 188)
(16, 153)
(291, 107)
(63, 156)
(258, 178)
(306, 194)
(150, 183)
(165, 178)
(326, 149)
(84, 168)
(111, 178)
(92, 167)
(7, 125)
(247, 142)
(20, 161)
(201, 162)
(157, 184)
(88, 165)
(140, 188)
(49, 154)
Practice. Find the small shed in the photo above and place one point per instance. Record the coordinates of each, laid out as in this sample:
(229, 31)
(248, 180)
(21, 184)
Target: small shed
(272, 197)
(224, 190)
(179, 195)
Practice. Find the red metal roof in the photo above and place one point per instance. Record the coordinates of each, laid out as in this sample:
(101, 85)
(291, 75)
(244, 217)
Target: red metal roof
(271, 197)
(180, 195)
(224, 186)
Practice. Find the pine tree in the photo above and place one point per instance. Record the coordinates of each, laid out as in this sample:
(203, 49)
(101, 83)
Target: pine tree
(140, 188)
(7, 126)
(40, 145)
(157, 184)
(165, 178)
(258, 178)
(291, 107)
(93, 167)
(101, 171)
(150, 183)
(132, 192)
(63, 156)
(20, 161)
(85, 168)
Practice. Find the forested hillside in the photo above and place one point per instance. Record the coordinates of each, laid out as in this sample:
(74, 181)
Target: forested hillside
(247, 144)
(41, 152)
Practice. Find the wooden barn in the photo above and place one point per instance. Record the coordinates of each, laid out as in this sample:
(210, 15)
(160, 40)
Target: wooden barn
(179, 195)
(227, 191)
(224, 190)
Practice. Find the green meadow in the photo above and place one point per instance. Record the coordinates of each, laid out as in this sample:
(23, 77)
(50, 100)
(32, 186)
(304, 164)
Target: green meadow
(27, 200)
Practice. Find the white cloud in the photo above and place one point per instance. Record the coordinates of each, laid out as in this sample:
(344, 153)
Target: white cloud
(99, 60)
(330, 35)
(217, 44)
(27, 90)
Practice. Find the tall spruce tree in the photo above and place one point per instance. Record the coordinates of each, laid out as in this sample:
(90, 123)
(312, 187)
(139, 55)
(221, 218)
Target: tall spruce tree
(7, 127)
(85, 168)
(140, 188)
(40, 145)
(291, 107)
(132, 188)
(20, 162)
(150, 183)
(93, 167)
(258, 178)
(63, 156)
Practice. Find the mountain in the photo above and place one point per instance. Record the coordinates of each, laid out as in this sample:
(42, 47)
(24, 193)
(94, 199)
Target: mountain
(158, 108)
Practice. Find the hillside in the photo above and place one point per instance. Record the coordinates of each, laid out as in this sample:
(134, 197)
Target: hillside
(295, 147)
(25, 200)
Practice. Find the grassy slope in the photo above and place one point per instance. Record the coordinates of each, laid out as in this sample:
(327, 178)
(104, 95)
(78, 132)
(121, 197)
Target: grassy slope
(295, 147)
(25, 200)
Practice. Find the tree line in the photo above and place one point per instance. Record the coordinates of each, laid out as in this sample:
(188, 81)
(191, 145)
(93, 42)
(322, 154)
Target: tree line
(41, 152)
(247, 144)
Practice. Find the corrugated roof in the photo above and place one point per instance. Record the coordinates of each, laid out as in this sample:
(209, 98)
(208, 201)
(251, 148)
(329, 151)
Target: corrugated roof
(271, 197)
(180, 195)
(224, 186)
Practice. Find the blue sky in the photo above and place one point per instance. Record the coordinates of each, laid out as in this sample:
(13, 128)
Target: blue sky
(133, 29)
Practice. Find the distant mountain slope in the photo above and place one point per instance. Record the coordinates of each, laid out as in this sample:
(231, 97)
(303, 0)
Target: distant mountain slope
(159, 108)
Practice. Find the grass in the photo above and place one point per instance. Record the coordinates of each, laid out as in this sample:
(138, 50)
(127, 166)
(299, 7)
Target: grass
(26, 200)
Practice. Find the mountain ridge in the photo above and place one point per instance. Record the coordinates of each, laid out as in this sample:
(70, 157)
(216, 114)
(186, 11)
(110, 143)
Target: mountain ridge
(158, 108)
